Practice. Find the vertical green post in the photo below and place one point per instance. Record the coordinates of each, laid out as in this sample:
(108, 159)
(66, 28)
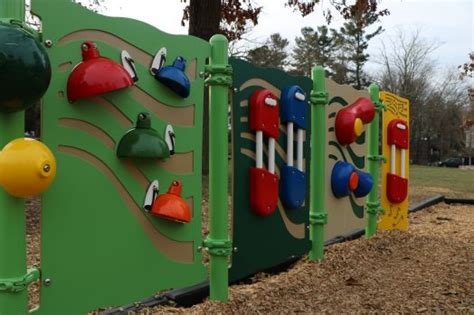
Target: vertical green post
(12, 213)
(373, 203)
(317, 176)
(218, 243)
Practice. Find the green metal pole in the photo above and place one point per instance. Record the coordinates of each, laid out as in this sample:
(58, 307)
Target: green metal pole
(12, 213)
(317, 211)
(373, 202)
(218, 243)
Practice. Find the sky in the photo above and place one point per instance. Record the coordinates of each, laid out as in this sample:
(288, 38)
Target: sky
(448, 22)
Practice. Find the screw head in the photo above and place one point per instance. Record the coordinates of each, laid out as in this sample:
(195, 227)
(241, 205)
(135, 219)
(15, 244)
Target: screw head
(48, 43)
(47, 282)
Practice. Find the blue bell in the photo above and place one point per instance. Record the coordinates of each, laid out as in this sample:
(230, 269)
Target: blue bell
(175, 78)
(366, 183)
(344, 179)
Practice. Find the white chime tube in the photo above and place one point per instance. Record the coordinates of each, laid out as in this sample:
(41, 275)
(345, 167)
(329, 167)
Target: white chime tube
(299, 150)
(289, 144)
(271, 155)
(392, 159)
(259, 149)
(402, 163)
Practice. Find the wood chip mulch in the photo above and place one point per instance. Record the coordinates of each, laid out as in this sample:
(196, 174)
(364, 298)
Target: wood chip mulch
(429, 269)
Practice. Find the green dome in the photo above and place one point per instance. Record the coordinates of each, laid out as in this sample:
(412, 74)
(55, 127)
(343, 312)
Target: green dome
(142, 141)
(25, 70)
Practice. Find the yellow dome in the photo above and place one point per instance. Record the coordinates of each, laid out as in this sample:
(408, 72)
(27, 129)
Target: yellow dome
(27, 167)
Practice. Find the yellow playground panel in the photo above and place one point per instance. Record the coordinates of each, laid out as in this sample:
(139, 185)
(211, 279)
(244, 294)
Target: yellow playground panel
(395, 172)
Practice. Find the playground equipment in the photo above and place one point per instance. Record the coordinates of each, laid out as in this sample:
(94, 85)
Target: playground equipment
(96, 75)
(144, 141)
(264, 120)
(27, 167)
(174, 77)
(293, 191)
(395, 173)
(25, 70)
(105, 132)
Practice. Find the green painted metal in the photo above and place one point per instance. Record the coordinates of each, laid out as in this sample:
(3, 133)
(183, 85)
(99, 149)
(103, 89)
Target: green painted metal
(262, 242)
(98, 246)
(12, 214)
(317, 214)
(142, 141)
(218, 243)
(373, 202)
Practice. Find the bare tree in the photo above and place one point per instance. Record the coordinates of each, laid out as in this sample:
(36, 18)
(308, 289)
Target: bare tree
(437, 100)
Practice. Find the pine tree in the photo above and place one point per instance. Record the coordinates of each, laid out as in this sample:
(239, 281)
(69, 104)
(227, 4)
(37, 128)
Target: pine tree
(355, 41)
(314, 47)
(273, 54)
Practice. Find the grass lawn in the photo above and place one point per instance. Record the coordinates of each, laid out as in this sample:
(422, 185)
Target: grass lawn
(427, 181)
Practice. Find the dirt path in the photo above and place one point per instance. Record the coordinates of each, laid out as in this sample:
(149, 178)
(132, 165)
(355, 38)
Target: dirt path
(428, 269)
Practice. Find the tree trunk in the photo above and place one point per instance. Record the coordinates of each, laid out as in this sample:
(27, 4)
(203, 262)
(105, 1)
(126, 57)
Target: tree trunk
(204, 20)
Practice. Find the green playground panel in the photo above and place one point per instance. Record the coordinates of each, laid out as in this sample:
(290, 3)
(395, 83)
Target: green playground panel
(262, 242)
(98, 246)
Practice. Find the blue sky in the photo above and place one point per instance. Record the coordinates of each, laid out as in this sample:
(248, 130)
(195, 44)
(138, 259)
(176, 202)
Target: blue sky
(449, 22)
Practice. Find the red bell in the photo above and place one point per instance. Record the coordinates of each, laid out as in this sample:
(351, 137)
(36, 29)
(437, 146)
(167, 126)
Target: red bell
(350, 120)
(171, 206)
(96, 75)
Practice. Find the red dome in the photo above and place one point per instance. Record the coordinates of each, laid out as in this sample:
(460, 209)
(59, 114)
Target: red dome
(95, 75)
(171, 206)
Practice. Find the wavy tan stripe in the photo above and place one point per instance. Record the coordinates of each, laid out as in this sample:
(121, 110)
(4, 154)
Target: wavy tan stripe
(178, 251)
(191, 69)
(244, 103)
(65, 66)
(183, 116)
(137, 174)
(137, 54)
(89, 128)
(296, 230)
(121, 117)
(261, 83)
(180, 163)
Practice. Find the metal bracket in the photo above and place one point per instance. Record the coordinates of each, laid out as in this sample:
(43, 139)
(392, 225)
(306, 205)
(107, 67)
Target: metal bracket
(318, 218)
(15, 285)
(374, 208)
(380, 106)
(218, 247)
(218, 74)
(318, 98)
(377, 158)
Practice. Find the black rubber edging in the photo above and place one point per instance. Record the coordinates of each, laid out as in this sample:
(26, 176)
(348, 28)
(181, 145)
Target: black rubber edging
(427, 203)
(189, 296)
(463, 201)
